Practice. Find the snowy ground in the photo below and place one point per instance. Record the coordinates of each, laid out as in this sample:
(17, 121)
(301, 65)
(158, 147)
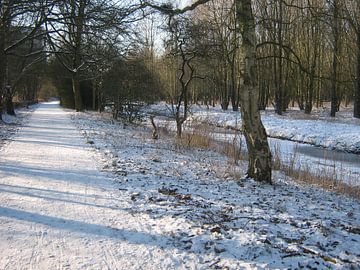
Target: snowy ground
(155, 205)
(11, 123)
(341, 133)
(214, 221)
(337, 165)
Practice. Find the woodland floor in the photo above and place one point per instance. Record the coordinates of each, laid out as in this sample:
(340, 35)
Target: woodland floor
(110, 197)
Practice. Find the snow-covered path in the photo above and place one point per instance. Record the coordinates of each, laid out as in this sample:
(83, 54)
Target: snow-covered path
(56, 210)
(155, 205)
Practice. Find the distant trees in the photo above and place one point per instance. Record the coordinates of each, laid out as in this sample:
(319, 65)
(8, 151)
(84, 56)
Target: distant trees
(73, 28)
(352, 17)
(182, 49)
(259, 153)
(128, 85)
(21, 45)
(95, 55)
(223, 41)
(245, 53)
(307, 51)
(299, 58)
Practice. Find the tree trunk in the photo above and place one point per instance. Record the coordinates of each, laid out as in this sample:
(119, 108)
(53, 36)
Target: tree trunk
(334, 97)
(357, 89)
(3, 58)
(259, 166)
(233, 88)
(77, 94)
(9, 105)
(310, 95)
(178, 127)
(2, 74)
(263, 96)
(225, 91)
(279, 87)
(78, 43)
(314, 33)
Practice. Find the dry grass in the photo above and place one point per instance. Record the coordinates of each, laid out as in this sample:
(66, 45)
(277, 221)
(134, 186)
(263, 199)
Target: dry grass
(327, 179)
(200, 137)
(234, 150)
(324, 180)
(195, 139)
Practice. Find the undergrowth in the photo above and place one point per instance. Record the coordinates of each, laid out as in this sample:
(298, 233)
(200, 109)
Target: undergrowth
(202, 137)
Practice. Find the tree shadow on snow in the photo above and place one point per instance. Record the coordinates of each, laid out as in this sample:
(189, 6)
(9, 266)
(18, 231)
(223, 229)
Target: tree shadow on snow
(87, 228)
(25, 192)
(39, 173)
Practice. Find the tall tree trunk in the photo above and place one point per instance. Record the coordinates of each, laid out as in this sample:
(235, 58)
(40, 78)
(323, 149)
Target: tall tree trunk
(10, 110)
(225, 90)
(178, 127)
(310, 94)
(2, 72)
(233, 88)
(94, 95)
(335, 29)
(4, 23)
(259, 166)
(279, 86)
(315, 43)
(357, 88)
(77, 94)
(78, 47)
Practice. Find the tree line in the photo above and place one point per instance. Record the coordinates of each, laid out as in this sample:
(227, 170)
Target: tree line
(307, 53)
(243, 54)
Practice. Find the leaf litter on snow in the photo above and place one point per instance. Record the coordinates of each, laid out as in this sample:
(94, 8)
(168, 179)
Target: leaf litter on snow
(217, 221)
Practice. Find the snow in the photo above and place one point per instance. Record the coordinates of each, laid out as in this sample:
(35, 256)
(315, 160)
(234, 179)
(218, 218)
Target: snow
(114, 198)
(341, 133)
(220, 221)
(223, 126)
(10, 123)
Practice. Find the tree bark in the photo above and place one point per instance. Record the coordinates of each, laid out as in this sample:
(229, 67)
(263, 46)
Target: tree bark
(310, 93)
(178, 127)
(334, 97)
(95, 89)
(2, 71)
(78, 44)
(279, 87)
(314, 42)
(77, 94)
(225, 89)
(4, 22)
(260, 162)
(357, 87)
(233, 88)
(10, 110)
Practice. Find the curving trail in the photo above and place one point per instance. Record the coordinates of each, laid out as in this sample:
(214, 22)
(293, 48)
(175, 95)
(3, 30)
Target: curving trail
(57, 211)
(155, 205)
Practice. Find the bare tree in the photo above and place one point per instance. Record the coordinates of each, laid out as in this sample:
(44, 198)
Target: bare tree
(183, 50)
(259, 152)
(256, 139)
(335, 27)
(352, 10)
(73, 26)
(20, 22)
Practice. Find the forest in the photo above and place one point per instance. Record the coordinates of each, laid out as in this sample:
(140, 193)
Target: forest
(240, 54)
(195, 134)
(307, 53)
